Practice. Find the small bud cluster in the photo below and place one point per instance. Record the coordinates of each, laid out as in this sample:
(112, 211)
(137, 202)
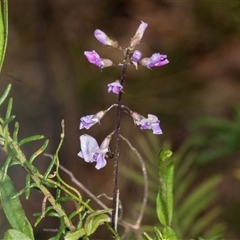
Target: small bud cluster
(90, 150)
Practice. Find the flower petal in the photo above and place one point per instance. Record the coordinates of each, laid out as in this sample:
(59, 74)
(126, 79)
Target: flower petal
(88, 147)
(87, 121)
(101, 161)
(93, 58)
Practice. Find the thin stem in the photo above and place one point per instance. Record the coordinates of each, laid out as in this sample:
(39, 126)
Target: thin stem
(34, 175)
(79, 184)
(145, 178)
(116, 152)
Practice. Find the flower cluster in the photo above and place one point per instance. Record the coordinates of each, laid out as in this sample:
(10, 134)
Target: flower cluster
(90, 150)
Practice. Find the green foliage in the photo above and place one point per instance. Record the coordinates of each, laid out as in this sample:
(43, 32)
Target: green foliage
(3, 29)
(88, 220)
(164, 200)
(13, 234)
(13, 208)
(216, 138)
(192, 213)
(91, 224)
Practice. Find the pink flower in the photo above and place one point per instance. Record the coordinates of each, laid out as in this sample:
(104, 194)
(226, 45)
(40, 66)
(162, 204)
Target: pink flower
(156, 60)
(90, 120)
(115, 87)
(136, 56)
(104, 39)
(93, 58)
(151, 122)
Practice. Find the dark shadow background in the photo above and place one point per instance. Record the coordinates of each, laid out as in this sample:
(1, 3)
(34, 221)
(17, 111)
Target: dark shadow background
(52, 80)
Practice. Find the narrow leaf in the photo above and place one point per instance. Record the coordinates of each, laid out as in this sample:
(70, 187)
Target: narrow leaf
(161, 209)
(94, 220)
(169, 179)
(75, 235)
(13, 234)
(39, 151)
(12, 207)
(30, 139)
(5, 94)
(3, 29)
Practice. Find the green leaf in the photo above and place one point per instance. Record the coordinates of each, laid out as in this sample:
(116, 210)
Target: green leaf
(9, 110)
(164, 154)
(39, 151)
(161, 209)
(13, 234)
(15, 133)
(13, 208)
(30, 139)
(169, 234)
(3, 29)
(75, 235)
(169, 180)
(5, 94)
(158, 233)
(95, 219)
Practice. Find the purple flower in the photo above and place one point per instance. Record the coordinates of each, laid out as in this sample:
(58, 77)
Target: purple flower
(136, 56)
(151, 122)
(115, 87)
(89, 120)
(91, 152)
(156, 60)
(138, 35)
(94, 58)
(104, 39)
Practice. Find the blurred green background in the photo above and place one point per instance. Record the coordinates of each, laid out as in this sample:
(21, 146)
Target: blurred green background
(52, 80)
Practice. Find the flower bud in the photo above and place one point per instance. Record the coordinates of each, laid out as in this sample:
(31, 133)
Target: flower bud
(104, 39)
(136, 56)
(93, 58)
(138, 35)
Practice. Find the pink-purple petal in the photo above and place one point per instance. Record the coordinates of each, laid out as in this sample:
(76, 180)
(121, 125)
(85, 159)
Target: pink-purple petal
(87, 121)
(93, 58)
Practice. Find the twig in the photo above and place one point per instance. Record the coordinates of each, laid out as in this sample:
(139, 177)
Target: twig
(83, 188)
(145, 194)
